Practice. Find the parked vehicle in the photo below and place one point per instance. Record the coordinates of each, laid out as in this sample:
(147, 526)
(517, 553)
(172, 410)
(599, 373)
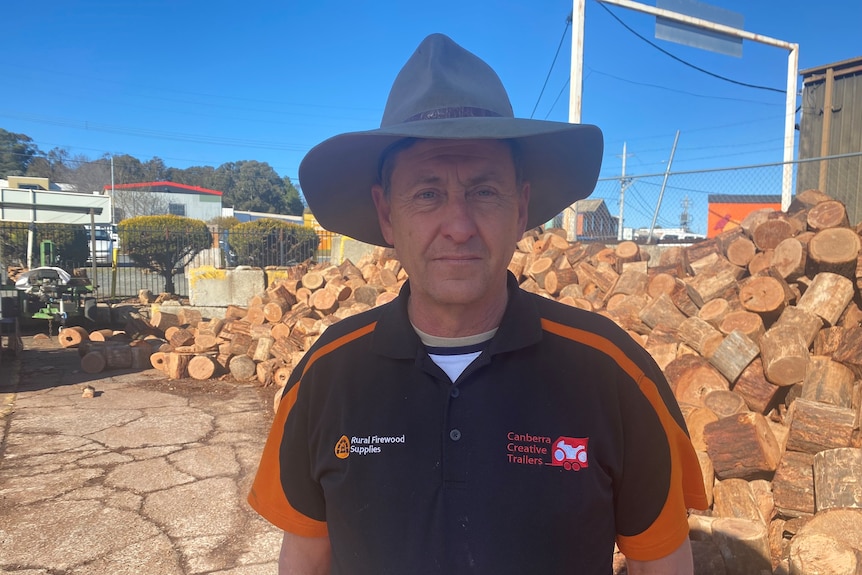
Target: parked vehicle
(104, 246)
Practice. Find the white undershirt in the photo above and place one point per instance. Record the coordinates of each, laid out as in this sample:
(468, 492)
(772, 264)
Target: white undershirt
(454, 354)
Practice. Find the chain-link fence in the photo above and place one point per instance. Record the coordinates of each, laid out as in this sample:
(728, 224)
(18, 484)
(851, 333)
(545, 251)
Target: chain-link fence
(680, 204)
(120, 273)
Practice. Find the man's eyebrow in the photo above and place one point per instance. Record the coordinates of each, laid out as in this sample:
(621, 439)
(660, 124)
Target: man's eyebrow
(489, 175)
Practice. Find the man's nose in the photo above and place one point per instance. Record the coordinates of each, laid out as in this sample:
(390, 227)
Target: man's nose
(458, 221)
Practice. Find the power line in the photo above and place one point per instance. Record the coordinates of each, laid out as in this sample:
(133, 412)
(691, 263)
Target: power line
(685, 62)
(560, 45)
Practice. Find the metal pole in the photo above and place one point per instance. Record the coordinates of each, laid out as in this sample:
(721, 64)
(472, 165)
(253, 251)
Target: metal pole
(622, 196)
(789, 126)
(570, 217)
(663, 185)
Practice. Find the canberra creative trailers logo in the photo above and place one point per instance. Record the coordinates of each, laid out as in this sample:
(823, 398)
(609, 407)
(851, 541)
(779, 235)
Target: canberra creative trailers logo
(570, 453)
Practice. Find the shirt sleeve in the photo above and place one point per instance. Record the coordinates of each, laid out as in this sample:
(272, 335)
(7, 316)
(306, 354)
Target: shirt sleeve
(661, 471)
(267, 495)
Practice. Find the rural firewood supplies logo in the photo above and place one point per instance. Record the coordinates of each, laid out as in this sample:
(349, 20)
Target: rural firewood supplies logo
(366, 444)
(570, 453)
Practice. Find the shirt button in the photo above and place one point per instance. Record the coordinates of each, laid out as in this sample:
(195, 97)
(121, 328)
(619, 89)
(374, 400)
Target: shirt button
(454, 392)
(455, 435)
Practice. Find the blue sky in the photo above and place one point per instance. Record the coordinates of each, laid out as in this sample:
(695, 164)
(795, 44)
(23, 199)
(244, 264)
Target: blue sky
(202, 83)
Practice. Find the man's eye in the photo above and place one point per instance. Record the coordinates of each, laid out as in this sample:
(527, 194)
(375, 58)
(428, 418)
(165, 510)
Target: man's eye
(426, 195)
(485, 192)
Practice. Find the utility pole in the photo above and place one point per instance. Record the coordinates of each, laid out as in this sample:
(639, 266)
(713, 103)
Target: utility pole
(624, 184)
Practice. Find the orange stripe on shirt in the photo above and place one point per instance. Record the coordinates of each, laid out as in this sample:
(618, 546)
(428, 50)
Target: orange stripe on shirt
(670, 528)
(267, 495)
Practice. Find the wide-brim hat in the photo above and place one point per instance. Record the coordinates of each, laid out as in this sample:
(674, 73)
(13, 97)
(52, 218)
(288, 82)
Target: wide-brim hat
(446, 92)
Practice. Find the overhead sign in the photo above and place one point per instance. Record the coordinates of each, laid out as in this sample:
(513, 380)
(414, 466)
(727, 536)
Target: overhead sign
(695, 36)
(52, 207)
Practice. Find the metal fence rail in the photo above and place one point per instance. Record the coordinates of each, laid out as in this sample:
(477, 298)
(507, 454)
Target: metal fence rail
(122, 277)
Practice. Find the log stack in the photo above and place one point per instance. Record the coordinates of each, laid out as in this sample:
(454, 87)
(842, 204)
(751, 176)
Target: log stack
(107, 349)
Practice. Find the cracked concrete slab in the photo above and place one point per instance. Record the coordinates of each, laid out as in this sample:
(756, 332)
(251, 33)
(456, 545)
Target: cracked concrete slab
(150, 476)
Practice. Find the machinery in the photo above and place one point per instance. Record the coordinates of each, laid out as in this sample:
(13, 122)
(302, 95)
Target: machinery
(51, 293)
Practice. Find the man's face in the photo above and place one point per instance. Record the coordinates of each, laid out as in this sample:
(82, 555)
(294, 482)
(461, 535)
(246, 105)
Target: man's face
(454, 213)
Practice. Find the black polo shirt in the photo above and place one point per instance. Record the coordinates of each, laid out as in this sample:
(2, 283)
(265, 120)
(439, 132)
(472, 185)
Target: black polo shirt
(559, 439)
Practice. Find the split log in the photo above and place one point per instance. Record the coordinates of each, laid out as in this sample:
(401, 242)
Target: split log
(626, 251)
(834, 250)
(700, 335)
(785, 356)
(159, 360)
(827, 296)
(202, 367)
(793, 484)
(740, 252)
(662, 310)
(141, 352)
(73, 336)
(264, 370)
(240, 344)
(714, 311)
(735, 498)
(205, 342)
(761, 262)
(805, 323)
(282, 375)
(742, 446)
(759, 394)
(242, 367)
(118, 356)
(828, 340)
(696, 380)
(631, 282)
(313, 281)
(733, 355)
(744, 545)
(827, 214)
(176, 365)
(828, 381)
(189, 316)
(324, 301)
(235, 312)
(748, 323)
(162, 320)
(849, 350)
(707, 286)
(181, 337)
(828, 543)
(771, 232)
(789, 259)
(724, 403)
(260, 351)
(837, 474)
(661, 283)
(254, 315)
(816, 426)
(93, 362)
(763, 295)
(696, 419)
(101, 335)
(805, 200)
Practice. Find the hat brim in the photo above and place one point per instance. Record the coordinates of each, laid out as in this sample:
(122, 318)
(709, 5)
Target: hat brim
(561, 161)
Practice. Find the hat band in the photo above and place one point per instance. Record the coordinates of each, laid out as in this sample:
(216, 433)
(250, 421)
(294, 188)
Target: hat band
(455, 112)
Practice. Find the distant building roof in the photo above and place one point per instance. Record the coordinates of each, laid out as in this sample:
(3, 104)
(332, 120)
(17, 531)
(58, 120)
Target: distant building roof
(744, 199)
(584, 206)
(165, 187)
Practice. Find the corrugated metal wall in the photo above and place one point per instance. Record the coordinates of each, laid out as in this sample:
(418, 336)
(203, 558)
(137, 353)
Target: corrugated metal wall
(841, 178)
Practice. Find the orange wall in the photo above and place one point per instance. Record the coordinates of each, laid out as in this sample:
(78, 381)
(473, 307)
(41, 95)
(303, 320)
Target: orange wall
(724, 217)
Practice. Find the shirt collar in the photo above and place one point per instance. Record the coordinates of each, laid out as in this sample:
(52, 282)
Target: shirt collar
(520, 327)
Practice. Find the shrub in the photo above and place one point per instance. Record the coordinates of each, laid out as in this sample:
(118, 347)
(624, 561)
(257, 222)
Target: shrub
(164, 244)
(269, 242)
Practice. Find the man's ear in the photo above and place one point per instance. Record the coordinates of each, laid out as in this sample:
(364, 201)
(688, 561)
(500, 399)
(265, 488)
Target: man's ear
(384, 213)
(523, 207)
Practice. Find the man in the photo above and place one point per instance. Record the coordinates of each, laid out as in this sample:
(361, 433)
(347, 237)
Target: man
(469, 426)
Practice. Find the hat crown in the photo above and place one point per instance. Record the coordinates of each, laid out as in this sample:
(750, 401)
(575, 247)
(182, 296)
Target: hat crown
(443, 80)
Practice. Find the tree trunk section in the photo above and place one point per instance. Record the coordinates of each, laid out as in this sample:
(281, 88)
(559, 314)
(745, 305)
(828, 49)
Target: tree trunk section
(742, 446)
(700, 335)
(834, 250)
(789, 259)
(816, 426)
(740, 252)
(744, 545)
(162, 320)
(242, 368)
(662, 311)
(759, 394)
(202, 367)
(828, 381)
(748, 323)
(828, 214)
(73, 337)
(837, 476)
(176, 365)
(93, 362)
(785, 356)
(827, 296)
(733, 355)
(735, 498)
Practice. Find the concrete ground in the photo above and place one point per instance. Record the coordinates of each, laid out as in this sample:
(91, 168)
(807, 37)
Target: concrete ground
(148, 477)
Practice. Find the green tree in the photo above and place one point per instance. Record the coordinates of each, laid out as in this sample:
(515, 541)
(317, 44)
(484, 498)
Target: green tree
(70, 243)
(164, 244)
(292, 200)
(17, 151)
(269, 242)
